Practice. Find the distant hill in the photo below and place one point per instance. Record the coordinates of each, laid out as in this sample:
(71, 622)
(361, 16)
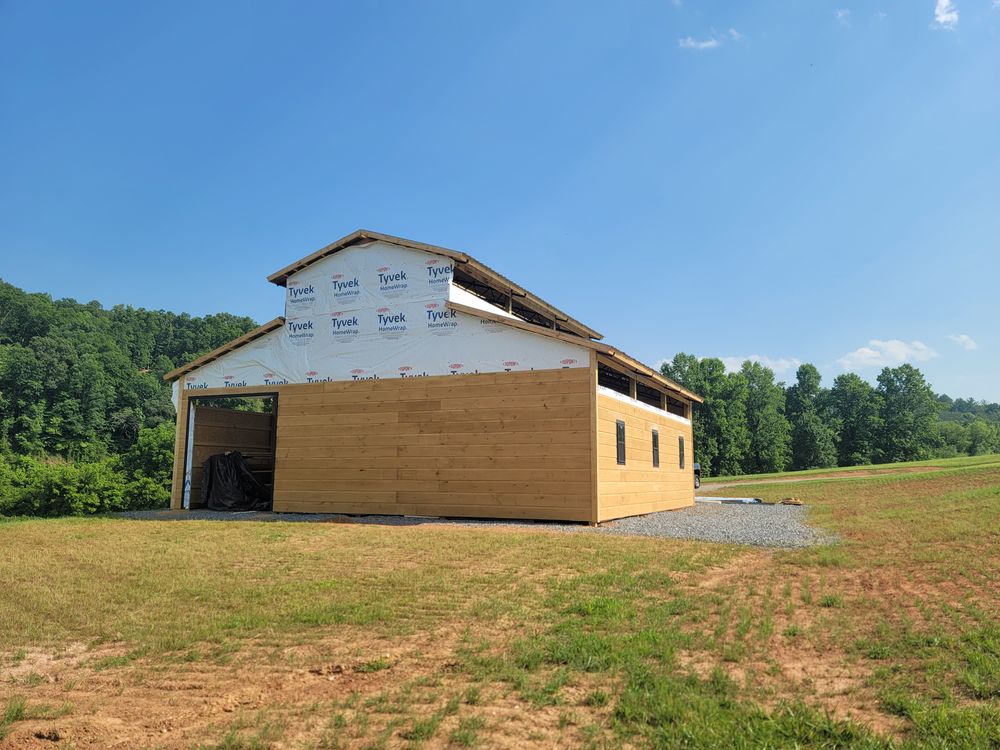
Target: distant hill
(80, 381)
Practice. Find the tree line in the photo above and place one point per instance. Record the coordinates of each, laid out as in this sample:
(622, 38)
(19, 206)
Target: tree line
(86, 422)
(752, 424)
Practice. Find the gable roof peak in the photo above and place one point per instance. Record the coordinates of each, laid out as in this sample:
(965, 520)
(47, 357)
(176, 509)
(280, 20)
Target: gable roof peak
(479, 272)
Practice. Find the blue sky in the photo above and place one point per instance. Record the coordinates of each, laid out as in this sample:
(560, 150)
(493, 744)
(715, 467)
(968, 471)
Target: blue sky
(797, 181)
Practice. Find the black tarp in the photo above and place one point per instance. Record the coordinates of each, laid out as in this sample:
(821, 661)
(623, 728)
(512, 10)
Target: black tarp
(228, 484)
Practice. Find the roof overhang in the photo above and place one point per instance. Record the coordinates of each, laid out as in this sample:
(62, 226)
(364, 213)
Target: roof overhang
(243, 340)
(469, 265)
(620, 358)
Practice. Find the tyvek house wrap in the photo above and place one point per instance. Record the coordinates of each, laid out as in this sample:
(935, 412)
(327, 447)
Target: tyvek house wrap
(379, 312)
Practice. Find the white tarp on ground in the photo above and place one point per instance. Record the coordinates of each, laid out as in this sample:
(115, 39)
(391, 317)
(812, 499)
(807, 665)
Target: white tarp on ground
(375, 312)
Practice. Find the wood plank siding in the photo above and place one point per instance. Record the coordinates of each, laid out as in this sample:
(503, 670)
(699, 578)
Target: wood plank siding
(637, 486)
(504, 445)
(539, 444)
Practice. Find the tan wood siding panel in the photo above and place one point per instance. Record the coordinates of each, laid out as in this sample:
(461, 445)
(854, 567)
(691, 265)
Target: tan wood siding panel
(639, 487)
(445, 440)
(506, 445)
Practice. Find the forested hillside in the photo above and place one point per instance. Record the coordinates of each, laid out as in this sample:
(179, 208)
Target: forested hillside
(751, 424)
(85, 415)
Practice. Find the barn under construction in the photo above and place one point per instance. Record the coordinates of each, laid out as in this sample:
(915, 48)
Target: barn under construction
(409, 379)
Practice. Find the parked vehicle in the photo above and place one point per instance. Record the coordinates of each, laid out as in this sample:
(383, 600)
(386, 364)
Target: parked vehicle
(697, 476)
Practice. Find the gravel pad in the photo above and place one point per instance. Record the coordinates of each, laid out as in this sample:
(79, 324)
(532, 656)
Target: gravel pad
(755, 525)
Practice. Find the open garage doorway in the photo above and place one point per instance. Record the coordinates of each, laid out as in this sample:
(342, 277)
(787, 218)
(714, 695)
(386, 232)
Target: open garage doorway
(229, 452)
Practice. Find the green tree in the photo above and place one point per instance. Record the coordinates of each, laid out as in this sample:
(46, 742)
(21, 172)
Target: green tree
(953, 439)
(855, 406)
(984, 438)
(769, 432)
(908, 418)
(721, 435)
(813, 438)
(151, 456)
(81, 382)
(685, 369)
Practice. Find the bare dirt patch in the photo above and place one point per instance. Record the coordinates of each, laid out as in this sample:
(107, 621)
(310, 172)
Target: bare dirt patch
(347, 689)
(785, 668)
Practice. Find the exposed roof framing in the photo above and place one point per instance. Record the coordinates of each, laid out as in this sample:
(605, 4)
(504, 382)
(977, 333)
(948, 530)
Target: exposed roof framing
(476, 276)
(246, 338)
(611, 356)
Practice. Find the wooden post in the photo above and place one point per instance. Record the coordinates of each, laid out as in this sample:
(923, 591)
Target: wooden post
(177, 485)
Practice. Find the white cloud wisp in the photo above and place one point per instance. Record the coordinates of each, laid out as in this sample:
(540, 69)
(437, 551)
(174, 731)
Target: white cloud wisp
(778, 365)
(964, 340)
(945, 15)
(689, 42)
(886, 354)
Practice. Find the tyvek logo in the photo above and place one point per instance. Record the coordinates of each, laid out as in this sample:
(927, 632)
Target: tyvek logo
(344, 326)
(457, 368)
(313, 376)
(509, 365)
(567, 362)
(407, 372)
(300, 331)
(438, 272)
(345, 288)
(300, 296)
(359, 374)
(392, 283)
(191, 382)
(230, 381)
(271, 379)
(391, 324)
(440, 320)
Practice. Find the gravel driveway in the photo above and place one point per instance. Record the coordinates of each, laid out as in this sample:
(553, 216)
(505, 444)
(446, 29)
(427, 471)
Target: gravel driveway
(755, 525)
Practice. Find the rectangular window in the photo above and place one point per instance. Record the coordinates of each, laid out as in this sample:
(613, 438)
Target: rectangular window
(656, 448)
(680, 449)
(620, 440)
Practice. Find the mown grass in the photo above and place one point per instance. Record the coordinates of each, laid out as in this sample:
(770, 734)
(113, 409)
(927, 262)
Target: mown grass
(163, 587)
(609, 640)
(944, 463)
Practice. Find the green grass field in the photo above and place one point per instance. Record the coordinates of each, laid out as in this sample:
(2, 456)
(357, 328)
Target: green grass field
(939, 463)
(251, 635)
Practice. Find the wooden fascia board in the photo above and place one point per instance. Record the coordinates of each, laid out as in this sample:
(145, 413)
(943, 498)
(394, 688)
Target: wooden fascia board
(279, 277)
(204, 359)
